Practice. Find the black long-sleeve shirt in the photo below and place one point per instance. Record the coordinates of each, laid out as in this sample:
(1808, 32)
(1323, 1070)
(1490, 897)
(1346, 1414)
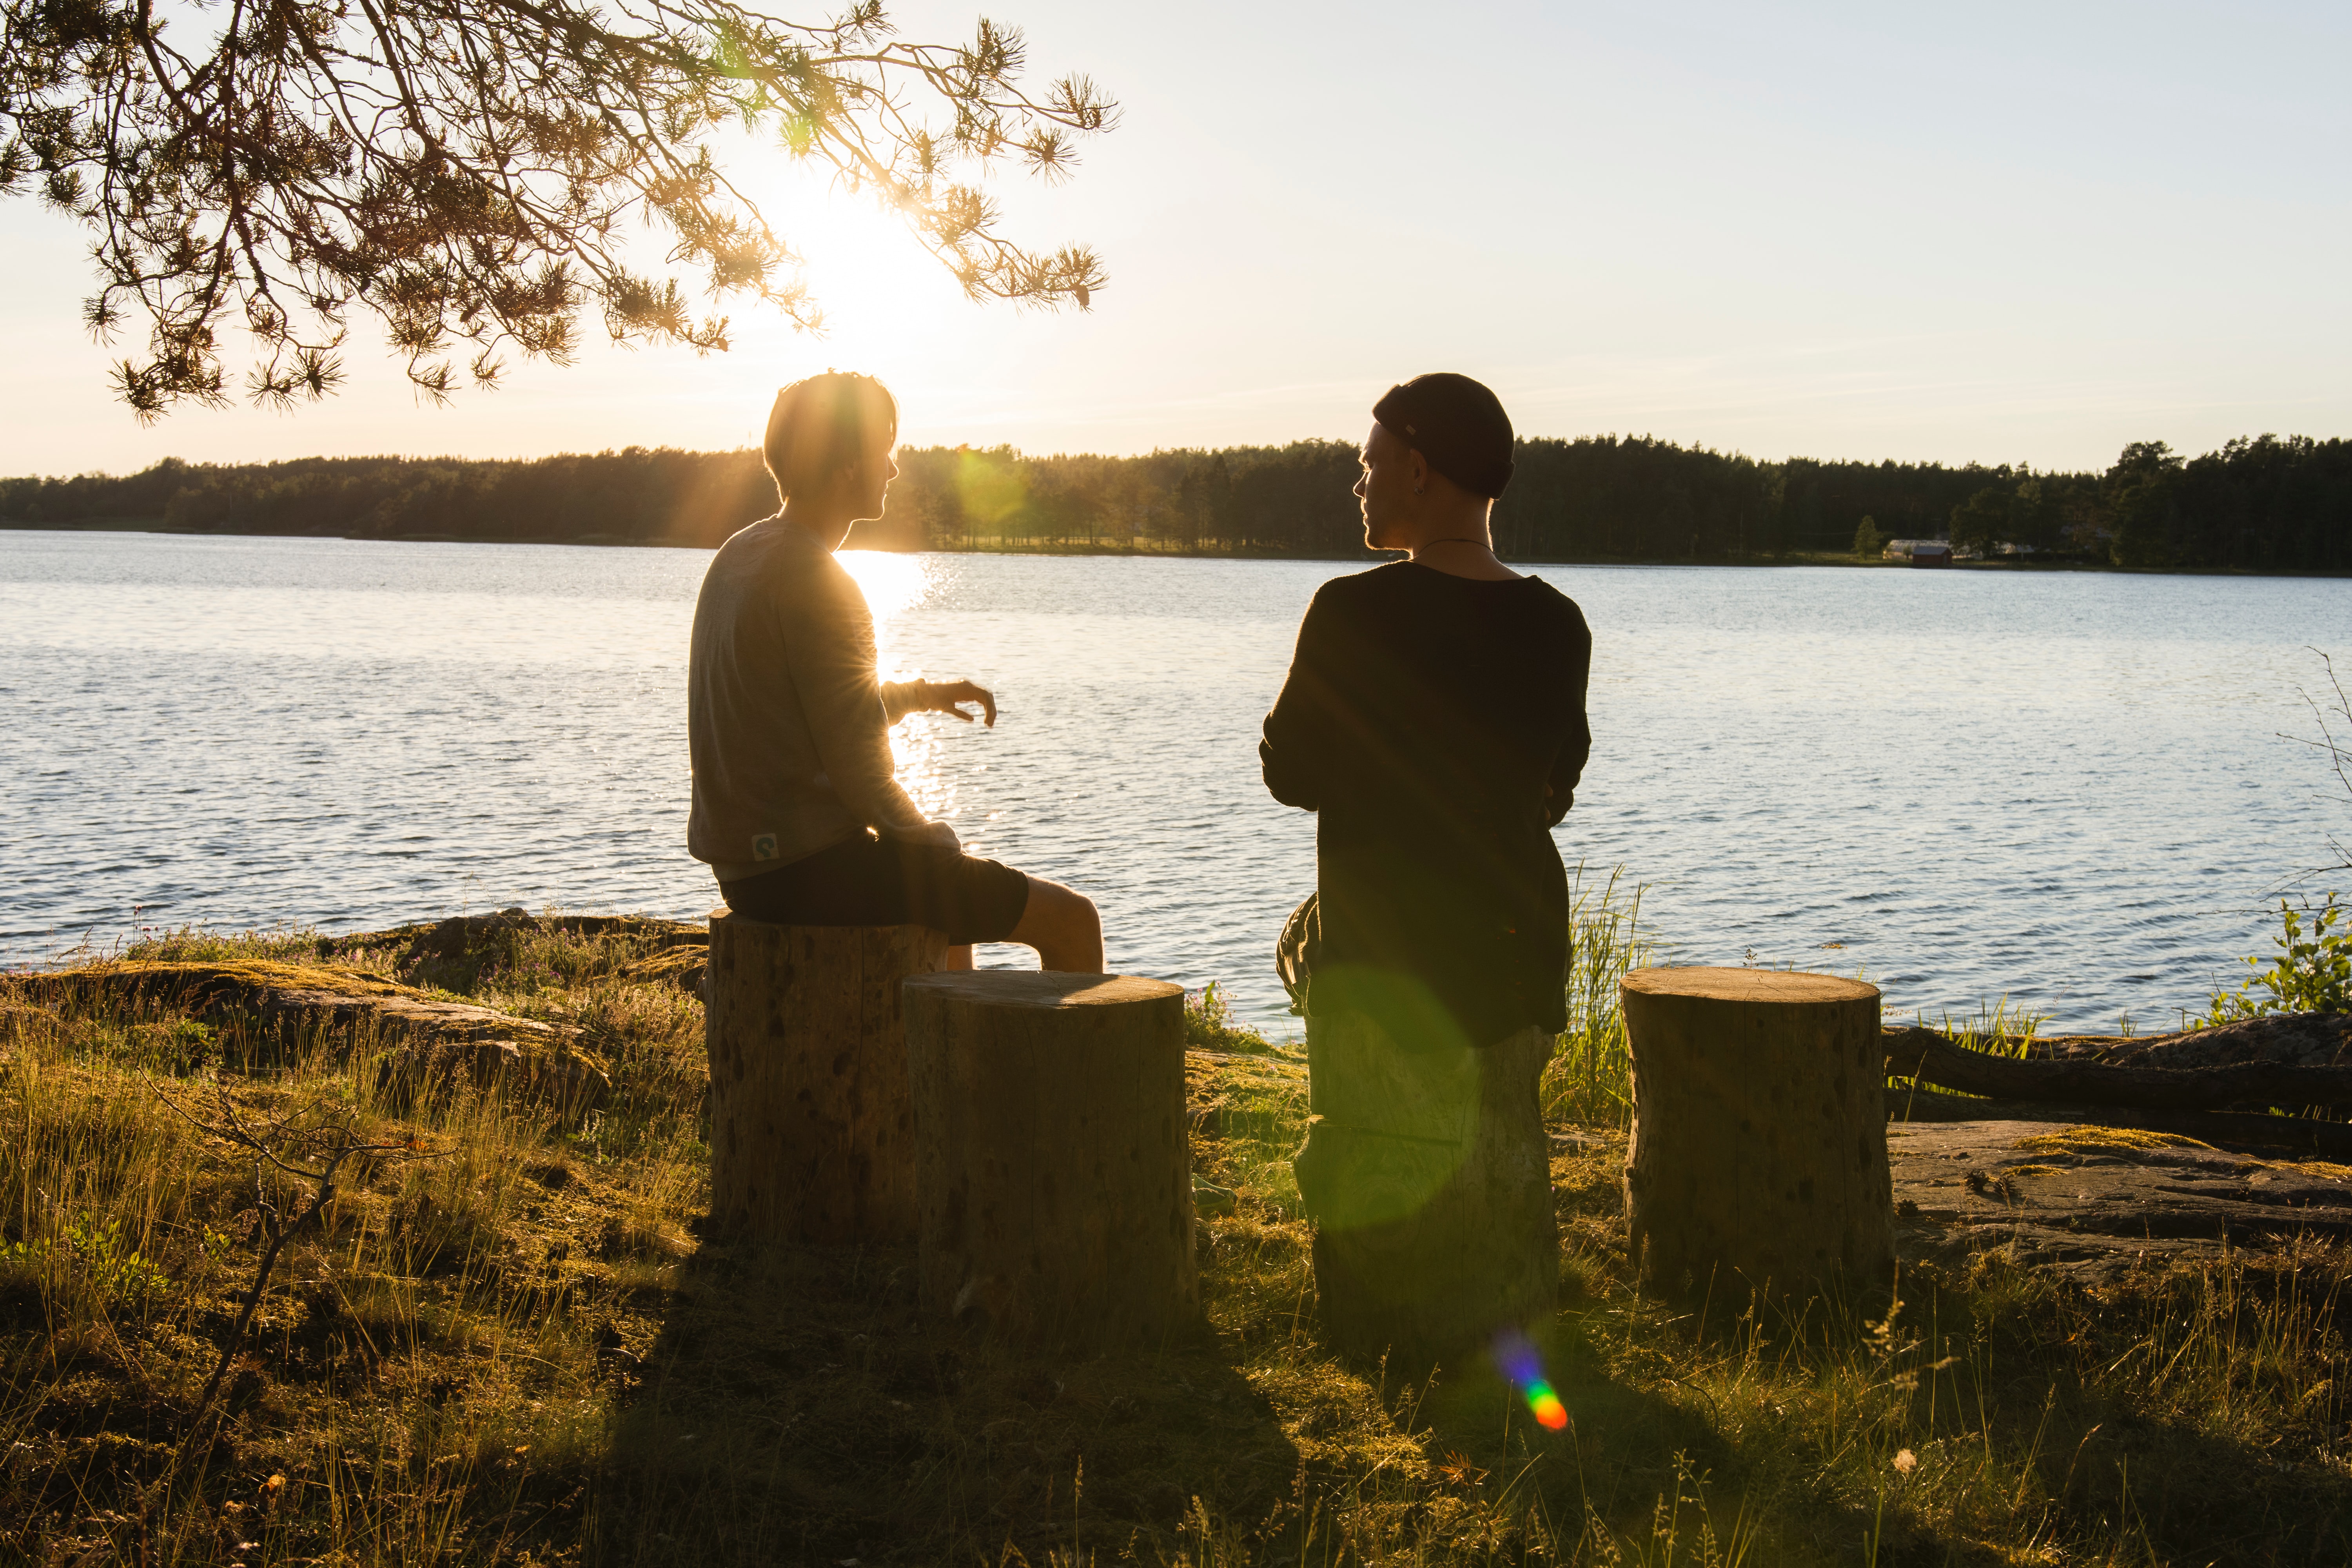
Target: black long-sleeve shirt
(1436, 726)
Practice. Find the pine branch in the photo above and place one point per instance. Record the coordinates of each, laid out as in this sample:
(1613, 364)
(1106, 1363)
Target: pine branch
(467, 170)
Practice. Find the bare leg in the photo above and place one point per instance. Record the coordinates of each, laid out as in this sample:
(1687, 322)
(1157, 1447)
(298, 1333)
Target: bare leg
(957, 958)
(1063, 926)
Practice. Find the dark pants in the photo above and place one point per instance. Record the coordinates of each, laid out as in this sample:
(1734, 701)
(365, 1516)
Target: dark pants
(868, 880)
(1428, 1176)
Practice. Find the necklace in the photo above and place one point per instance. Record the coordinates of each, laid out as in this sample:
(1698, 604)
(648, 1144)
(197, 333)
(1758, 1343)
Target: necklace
(1479, 542)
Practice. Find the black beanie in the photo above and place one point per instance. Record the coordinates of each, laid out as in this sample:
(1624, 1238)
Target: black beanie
(1456, 424)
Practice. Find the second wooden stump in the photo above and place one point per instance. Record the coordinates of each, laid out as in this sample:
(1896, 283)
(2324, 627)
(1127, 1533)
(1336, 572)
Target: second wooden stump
(1054, 1176)
(1758, 1151)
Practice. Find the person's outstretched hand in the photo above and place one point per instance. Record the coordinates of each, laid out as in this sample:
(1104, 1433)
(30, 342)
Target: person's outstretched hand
(950, 695)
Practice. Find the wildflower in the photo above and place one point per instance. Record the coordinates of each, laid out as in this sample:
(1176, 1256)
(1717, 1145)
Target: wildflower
(1906, 1462)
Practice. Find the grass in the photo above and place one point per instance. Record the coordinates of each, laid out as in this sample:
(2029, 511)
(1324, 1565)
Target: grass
(1591, 1078)
(516, 1351)
(1998, 1029)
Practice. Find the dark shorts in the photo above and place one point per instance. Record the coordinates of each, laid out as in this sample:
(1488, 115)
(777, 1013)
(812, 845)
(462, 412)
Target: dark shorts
(872, 882)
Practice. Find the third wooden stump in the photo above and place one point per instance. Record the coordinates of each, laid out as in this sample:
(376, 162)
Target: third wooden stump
(1758, 1151)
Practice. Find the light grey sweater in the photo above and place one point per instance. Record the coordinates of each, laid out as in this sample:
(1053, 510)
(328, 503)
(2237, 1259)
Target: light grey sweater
(787, 724)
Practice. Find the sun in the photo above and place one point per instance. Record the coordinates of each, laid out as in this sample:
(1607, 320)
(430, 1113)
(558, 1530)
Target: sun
(884, 299)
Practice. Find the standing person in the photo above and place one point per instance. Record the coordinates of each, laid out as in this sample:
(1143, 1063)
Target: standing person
(796, 808)
(1433, 720)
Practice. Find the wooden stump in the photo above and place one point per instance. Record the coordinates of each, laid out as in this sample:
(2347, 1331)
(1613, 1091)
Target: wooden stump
(1758, 1153)
(1429, 1179)
(1053, 1170)
(812, 1127)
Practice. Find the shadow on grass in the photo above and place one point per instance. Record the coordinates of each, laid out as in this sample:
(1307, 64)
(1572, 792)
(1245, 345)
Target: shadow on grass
(797, 1406)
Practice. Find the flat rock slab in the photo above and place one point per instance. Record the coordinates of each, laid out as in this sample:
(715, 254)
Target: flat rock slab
(451, 937)
(274, 993)
(683, 963)
(2094, 1199)
(432, 1038)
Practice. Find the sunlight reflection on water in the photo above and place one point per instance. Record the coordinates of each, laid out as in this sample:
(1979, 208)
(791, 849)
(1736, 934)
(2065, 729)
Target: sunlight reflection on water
(892, 584)
(2067, 788)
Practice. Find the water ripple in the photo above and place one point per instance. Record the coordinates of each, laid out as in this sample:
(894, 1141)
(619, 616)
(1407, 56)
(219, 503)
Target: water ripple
(2067, 789)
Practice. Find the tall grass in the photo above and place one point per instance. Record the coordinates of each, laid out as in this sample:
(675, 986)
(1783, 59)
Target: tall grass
(1999, 1029)
(409, 1354)
(1590, 1076)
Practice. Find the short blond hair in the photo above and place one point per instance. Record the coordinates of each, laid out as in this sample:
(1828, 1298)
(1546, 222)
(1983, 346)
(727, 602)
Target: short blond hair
(823, 424)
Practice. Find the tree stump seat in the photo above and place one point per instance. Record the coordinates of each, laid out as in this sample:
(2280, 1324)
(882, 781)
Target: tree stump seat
(1758, 1160)
(1053, 1177)
(811, 1123)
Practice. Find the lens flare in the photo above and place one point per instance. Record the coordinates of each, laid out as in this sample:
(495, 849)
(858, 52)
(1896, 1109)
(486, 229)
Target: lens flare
(1521, 1361)
(1549, 1410)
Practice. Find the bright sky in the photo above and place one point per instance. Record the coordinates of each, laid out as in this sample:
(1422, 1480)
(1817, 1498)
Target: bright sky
(2003, 232)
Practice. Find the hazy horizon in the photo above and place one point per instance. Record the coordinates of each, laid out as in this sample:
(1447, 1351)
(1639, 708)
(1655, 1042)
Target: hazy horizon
(1025, 452)
(1819, 230)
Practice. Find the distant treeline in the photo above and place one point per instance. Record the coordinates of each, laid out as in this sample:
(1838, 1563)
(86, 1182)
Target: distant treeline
(2258, 504)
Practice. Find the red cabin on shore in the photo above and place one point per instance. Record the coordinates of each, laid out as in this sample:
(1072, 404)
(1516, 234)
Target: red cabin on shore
(1919, 552)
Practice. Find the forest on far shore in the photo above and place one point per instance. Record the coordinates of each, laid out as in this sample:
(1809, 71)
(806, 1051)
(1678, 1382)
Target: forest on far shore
(2262, 504)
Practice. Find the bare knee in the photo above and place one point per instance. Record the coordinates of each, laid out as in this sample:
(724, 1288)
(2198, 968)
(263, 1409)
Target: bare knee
(1076, 913)
(1063, 926)
(1065, 911)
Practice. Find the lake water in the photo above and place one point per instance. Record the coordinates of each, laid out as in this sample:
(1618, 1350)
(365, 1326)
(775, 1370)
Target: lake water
(2068, 789)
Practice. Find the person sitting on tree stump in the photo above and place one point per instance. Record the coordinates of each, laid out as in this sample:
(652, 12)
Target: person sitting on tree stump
(796, 808)
(1434, 717)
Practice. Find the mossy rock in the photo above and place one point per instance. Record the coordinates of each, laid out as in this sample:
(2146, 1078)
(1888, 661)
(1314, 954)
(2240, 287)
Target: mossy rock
(16, 1015)
(682, 966)
(273, 994)
(278, 1004)
(458, 951)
